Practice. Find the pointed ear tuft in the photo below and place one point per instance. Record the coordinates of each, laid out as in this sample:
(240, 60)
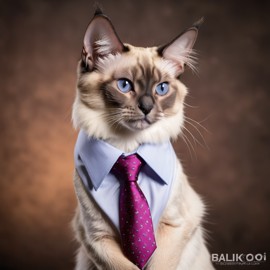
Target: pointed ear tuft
(100, 40)
(98, 10)
(198, 23)
(179, 50)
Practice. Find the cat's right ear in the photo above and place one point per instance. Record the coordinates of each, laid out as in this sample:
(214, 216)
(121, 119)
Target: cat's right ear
(100, 40)
(179, 50)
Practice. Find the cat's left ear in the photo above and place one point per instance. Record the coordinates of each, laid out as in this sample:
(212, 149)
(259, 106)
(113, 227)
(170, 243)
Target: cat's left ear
(100, 40)
(179, 50)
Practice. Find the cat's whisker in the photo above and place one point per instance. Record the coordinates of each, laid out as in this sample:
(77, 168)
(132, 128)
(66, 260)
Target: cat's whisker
(185, 141)
(190, 123)
(198, 123)
(117, 124)
(188, 105)
(111, 121)
(114, 118)
(205, 119)
(193, 137)
(189, 145)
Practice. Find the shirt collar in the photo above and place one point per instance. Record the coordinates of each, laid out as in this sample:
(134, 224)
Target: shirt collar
(99, 157)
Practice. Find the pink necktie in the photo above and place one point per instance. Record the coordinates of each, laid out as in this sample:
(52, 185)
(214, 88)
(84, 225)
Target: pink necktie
(136, 227)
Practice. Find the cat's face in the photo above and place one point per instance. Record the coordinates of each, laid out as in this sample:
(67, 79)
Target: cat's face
(126, 91)
(135, 89)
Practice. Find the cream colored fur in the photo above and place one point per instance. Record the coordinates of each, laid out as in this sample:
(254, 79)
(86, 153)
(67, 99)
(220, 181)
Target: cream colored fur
(180, 237)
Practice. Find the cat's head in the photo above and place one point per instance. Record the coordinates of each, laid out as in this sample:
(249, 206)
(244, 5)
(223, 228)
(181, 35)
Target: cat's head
(130, 94)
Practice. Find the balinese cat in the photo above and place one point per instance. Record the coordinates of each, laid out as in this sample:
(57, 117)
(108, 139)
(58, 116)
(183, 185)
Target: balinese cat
(130, 100)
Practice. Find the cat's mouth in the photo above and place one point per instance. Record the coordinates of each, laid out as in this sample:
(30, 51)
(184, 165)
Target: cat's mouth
(139, 124)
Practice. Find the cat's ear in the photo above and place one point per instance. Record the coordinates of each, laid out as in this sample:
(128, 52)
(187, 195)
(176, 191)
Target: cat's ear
(100, 40)
(179, 50)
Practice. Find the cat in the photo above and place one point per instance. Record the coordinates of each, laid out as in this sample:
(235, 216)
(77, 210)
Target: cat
(128, 97)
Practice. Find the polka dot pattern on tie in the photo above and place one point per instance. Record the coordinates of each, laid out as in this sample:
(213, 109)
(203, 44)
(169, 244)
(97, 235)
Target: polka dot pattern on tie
(136, 224)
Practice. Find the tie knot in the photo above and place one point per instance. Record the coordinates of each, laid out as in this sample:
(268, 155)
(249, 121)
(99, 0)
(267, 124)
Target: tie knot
(128, 167)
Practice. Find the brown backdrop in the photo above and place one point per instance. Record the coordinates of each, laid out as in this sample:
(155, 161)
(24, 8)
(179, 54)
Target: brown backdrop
(40, 44)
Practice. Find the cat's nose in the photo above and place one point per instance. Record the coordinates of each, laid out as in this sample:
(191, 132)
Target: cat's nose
(146, 104)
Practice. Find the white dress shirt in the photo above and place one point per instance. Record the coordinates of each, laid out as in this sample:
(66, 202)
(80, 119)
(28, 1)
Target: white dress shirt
(94, 160)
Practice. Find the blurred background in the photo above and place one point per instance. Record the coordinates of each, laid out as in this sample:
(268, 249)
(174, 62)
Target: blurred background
(227, 157)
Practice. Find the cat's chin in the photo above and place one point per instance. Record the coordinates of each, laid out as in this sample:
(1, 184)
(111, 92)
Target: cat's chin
(138, 124)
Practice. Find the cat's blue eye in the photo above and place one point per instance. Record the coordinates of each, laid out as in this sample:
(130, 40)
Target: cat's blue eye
(124, 85)
(162, 88)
